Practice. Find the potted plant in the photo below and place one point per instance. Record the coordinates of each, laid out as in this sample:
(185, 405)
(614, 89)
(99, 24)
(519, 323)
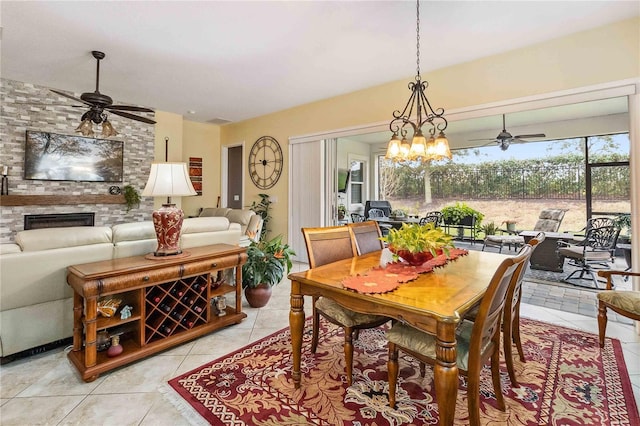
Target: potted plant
(342, 211)
(267, 262)
(418, 243)
(462, 216)
(489, 228)
(511, 224)
(131, 197)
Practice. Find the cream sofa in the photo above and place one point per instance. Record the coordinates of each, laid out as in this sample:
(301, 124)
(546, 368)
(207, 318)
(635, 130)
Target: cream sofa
(250, 223)
(36, 303)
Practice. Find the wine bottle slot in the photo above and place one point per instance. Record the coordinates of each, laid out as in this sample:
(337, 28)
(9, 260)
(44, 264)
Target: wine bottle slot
(174, 291)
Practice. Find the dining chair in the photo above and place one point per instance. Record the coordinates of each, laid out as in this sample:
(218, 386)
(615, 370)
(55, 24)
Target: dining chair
(326, 245)
(476, 341)
(625, 303)
(367, 236)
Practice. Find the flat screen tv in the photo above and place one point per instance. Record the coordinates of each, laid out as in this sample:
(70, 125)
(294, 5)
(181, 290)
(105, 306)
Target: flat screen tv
(343, 179)
(49, 156)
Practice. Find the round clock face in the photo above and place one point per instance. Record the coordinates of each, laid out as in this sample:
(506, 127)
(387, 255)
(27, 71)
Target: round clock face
(265, 162)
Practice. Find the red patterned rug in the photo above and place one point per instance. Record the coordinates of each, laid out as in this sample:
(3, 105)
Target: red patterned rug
(567, 380)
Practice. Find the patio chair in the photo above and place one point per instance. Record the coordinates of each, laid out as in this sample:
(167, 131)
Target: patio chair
(594, 252)
(476, 341)
(379, 216)
(625, 303)
(326, 245)
(548, 221)
(434, 217)
(357, 217)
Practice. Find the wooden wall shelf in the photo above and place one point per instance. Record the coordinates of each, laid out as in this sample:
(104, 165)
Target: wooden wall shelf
(55, 200)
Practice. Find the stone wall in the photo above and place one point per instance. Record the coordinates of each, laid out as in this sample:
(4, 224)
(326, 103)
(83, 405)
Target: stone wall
(26, 106)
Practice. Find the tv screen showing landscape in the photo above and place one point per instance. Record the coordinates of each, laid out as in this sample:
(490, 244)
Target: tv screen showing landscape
(49, 156)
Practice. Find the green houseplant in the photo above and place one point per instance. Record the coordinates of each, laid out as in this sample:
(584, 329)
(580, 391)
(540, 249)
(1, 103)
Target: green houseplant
(418, 243)
(131, 197)
(267, 262)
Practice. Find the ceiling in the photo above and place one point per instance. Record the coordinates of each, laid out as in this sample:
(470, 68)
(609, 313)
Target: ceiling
(232, 61)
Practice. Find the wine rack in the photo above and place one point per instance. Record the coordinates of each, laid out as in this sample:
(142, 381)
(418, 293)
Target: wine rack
(170, 301)
(176, 306)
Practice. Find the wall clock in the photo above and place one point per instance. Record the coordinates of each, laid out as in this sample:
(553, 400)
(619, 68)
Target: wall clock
(265, 162)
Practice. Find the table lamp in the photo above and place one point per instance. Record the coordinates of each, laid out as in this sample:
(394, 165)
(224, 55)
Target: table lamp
(168, 180)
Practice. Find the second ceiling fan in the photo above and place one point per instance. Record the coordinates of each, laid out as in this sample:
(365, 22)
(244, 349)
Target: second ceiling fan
(504, 138)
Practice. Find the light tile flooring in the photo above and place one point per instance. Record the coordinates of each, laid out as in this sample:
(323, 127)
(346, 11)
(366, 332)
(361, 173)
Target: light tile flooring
(45, 388)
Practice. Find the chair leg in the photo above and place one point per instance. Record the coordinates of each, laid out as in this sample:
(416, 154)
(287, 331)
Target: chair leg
(473, 394)
(392, 373)
(316, 327)
(602, 322)
(515, 330)
(495, 375)
(348, 353)
(507, 337)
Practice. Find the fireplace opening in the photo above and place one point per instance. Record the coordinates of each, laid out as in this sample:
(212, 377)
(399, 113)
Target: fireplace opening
(38, 221)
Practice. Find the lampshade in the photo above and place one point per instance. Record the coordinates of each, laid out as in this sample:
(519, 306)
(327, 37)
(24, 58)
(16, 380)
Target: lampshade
(168, 180)
(107, 129)
(86, 128)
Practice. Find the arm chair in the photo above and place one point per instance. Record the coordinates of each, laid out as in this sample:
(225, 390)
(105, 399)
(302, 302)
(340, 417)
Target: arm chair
(594, 252)
(625, 303)
(549, 220)
(434, 217)
(476, 341)
(326, 245)
(367, 236)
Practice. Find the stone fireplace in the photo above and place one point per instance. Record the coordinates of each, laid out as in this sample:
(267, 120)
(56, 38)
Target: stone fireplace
(38, 221)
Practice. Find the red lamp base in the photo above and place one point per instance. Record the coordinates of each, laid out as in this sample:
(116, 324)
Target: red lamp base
(167, 222)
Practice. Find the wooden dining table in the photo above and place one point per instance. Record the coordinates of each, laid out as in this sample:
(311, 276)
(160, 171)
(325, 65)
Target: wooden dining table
(435, 303)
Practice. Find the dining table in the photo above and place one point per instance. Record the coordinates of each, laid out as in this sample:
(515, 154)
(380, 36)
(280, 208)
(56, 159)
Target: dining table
(435, 302)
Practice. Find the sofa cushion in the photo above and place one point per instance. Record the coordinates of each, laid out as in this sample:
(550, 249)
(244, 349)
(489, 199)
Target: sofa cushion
(52, 238)
(243, 217)
(9, 248)
(214, 211)
(204, 224)
(133, 231)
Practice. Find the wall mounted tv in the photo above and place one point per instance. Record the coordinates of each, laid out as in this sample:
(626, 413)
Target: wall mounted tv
(49, 156)
(343, 179)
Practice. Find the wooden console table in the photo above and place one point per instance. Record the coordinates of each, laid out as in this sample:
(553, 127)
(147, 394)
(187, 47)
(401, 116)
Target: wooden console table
(171, 300)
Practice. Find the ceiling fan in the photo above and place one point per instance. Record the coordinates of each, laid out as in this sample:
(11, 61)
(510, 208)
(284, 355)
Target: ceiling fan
(504, 138)
(99, 104)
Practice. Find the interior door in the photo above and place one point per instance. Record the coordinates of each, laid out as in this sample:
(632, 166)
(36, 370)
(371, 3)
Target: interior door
(234, 177)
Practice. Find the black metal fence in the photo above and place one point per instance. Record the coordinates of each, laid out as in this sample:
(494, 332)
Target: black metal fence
(548, 182)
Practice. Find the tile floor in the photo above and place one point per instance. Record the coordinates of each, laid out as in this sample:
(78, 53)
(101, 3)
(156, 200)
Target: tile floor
(45, 388)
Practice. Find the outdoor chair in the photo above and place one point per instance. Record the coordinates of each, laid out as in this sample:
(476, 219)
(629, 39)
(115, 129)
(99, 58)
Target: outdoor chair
(357, 217)
(434, 217)
(377, 214)
(625, 303)
(476, 341)
(548, 221)
(594, 252)
(367, 236)
(326, 245)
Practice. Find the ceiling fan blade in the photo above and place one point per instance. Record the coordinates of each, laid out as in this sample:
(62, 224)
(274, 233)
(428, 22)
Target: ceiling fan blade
(537, 135)
(132, 117)
(482, 139)
(128, 108)
(42, 104)
(57, 92)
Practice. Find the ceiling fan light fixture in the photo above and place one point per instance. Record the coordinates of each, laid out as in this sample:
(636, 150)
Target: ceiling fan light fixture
(107, 129)
(85, 128)
(424, 114)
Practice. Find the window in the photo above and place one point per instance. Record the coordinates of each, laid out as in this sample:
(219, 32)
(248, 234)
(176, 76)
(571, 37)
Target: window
(357, 185)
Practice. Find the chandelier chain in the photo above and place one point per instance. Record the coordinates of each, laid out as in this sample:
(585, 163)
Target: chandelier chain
(418, 39)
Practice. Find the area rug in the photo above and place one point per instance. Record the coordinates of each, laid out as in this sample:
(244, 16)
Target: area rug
(567, 380)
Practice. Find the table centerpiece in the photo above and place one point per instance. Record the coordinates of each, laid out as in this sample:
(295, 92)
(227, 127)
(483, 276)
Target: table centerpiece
(416, 244)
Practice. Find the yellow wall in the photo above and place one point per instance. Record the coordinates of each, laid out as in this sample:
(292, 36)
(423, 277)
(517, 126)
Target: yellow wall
(609, 53)
(190, 139)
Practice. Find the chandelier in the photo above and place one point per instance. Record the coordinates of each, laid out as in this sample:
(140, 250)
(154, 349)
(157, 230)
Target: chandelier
(420, 149)
(95, 115)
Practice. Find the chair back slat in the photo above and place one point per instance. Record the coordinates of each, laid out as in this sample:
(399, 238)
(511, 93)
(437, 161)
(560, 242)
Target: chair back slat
(328, 244)
(367, 236)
